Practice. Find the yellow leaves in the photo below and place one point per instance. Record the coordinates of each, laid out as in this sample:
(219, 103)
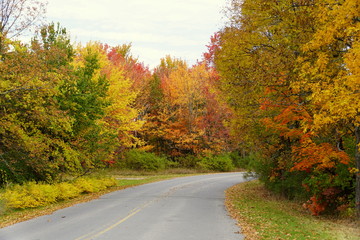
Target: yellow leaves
(351, 59)
(31, 195)
(354, 170)
(334, 20)
(334, 76)
(184, 85)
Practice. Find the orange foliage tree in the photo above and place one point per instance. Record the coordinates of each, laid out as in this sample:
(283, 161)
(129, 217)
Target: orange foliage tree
(186, 116)
(281, 65)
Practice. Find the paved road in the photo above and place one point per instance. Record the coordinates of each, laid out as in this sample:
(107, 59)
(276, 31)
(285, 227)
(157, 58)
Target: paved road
(178, 209)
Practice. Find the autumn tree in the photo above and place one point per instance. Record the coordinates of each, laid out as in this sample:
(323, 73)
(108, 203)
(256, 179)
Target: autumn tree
(185, 117)
(266, 79)
(63, 110)
(99, 100)
(32, 125)
(136, 72)
(330, 69)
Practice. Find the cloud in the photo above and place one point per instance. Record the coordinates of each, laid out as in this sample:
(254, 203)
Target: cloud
(181, 27)
(139, 37)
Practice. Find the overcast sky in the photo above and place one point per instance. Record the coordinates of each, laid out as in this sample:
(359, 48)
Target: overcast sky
(156, 28)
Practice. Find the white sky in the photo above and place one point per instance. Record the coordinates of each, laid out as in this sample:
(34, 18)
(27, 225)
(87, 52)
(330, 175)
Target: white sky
(156, 28)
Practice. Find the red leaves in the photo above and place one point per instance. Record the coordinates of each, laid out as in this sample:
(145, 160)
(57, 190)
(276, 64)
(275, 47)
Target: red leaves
(315, 205)
(213, 46)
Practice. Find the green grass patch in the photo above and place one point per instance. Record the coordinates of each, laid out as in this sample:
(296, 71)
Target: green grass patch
(263, 215)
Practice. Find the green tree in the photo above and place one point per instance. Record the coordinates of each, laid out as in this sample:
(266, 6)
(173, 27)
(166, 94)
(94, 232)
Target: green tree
(30, 117)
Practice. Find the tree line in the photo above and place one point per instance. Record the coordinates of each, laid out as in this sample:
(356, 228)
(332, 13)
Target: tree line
(278, 87)
(66, 109)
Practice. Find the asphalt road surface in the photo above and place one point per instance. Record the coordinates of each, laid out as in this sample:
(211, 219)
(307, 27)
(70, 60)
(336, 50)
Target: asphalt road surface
(178, 209)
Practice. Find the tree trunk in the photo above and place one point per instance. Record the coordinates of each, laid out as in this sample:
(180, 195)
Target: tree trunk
(357, 162)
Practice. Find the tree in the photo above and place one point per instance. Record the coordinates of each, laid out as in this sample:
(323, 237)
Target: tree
(263, 61)
(54, 43)
(185, 117)
(331, 70)
(33, 127)
(100, 99)
(17, 16)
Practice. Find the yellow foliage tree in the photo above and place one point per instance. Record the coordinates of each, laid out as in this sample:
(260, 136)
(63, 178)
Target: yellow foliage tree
(119, 117)
(331, 69)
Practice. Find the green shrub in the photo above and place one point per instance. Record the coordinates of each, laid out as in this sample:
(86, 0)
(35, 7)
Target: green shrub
(171, 164)
(188, 161)
(245, 161)
(141, 160)
(222, 163)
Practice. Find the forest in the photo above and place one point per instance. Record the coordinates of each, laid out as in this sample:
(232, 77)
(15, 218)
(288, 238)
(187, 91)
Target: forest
(277, 93)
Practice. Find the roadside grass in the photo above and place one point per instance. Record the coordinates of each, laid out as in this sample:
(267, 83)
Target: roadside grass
(262, 215)
(124, 178)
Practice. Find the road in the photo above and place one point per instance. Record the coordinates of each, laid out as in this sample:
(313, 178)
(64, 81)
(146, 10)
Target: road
(177, 209)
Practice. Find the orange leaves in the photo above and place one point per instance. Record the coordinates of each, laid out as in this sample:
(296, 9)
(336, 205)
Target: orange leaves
(288, 122)
(187, 116)
(310, 155)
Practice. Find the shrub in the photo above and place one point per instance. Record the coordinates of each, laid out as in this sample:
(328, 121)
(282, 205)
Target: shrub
(31, 195)
(86, 185)
(188, 161)
(141, 160)
(244, 161)
(67, 191)
(2, 206)
(92, 185)
(108, 182)
(222, 163)
(43, 193)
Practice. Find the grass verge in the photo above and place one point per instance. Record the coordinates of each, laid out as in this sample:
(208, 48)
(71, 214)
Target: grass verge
(125, 180)
(262, 215)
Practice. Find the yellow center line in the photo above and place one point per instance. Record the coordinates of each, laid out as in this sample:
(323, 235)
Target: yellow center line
(93, 235)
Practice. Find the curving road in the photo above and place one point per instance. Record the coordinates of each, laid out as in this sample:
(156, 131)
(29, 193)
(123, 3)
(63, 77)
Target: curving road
(178, 209)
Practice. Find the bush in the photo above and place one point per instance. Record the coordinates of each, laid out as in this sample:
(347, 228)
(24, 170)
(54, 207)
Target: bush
(31, 195)
(188, 161)
(141, 160)
(244, 162)
(222, 163)
(87, 185)
(2, 207)
(67, 191)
